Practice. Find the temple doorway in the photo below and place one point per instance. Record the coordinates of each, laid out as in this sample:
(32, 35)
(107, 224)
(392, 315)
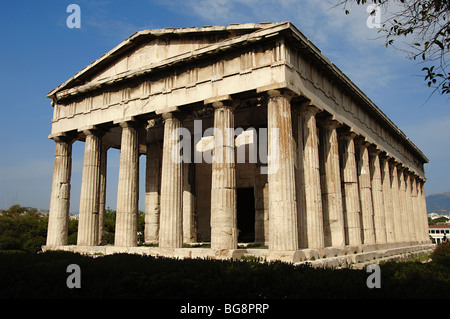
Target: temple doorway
(246, 214)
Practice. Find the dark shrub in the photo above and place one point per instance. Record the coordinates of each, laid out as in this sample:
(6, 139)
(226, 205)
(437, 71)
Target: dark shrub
(33, 245)
(441, 254)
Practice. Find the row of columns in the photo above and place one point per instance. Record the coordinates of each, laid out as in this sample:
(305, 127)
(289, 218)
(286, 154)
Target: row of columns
(336, 191)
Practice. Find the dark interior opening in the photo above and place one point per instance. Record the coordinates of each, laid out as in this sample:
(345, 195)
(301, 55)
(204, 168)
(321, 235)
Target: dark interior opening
(246, 214)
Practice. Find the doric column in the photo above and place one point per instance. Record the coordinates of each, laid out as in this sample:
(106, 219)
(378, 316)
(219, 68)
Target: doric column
(283, 229)
(423, 213)
(152, 195)
(58, 219)
(379, 217)
(171, 214)
(102, 198)
(224, 233)
(387, 200)
(333, 214)
(310, 202)
(352, 210)
(127, 190)
(409, 209)
(365, 193)
(415, 208)
(88, 224)
(402, 197)
(189, 225)
(261, 207)
(396, 201)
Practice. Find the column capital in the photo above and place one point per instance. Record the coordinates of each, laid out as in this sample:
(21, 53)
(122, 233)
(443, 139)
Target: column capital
(407, 173)
(218, 99)
(308, 108)
(374, 150)
(223, 101)
(415, 175)
(361, 141)
(126, 122)
(92, 130)
(393, 161)
(229, 104)
(287, 94)
(349, 135)
(67, 137)
(400, 167)
(329, 122)
(170, 116)
(385, 156)
(383, 159)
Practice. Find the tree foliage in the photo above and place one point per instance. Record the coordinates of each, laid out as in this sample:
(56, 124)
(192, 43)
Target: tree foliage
(110, 226)
(22, 229)
(424, 24)
(441, 254)
(25, 229)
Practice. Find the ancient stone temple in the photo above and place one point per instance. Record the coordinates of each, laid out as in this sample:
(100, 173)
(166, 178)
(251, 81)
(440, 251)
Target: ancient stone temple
(249, 134)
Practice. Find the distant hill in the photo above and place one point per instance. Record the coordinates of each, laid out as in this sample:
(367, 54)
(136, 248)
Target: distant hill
(438, 202)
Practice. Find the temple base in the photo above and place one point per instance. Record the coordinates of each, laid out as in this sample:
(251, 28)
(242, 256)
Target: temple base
(333, 257)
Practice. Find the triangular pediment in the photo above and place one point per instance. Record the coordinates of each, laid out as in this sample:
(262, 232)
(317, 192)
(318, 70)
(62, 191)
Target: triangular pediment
(148, 47)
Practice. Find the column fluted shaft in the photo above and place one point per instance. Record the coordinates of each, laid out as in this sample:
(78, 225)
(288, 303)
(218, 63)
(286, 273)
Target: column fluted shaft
(396, 203)
(152, 196)
(415, 207)
(88, 224)
(402, 197)
(283, 229)
(310, 196)
(379, 217)
(224, 234)
(171, 213)
(102, 198)
(333, 214)
(352, 210)
(409, 208)
(58, 220)
(387, 201)
(423, 213)
(189, 222)
(127, 190)
(365, 193)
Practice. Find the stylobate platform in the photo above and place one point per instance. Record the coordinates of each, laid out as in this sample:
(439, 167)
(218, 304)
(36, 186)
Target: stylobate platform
(335, 257)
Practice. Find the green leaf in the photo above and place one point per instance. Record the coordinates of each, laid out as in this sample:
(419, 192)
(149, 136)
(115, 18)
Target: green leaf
(439, 43)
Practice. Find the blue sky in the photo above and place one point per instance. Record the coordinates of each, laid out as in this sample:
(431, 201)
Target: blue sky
(38, 52)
